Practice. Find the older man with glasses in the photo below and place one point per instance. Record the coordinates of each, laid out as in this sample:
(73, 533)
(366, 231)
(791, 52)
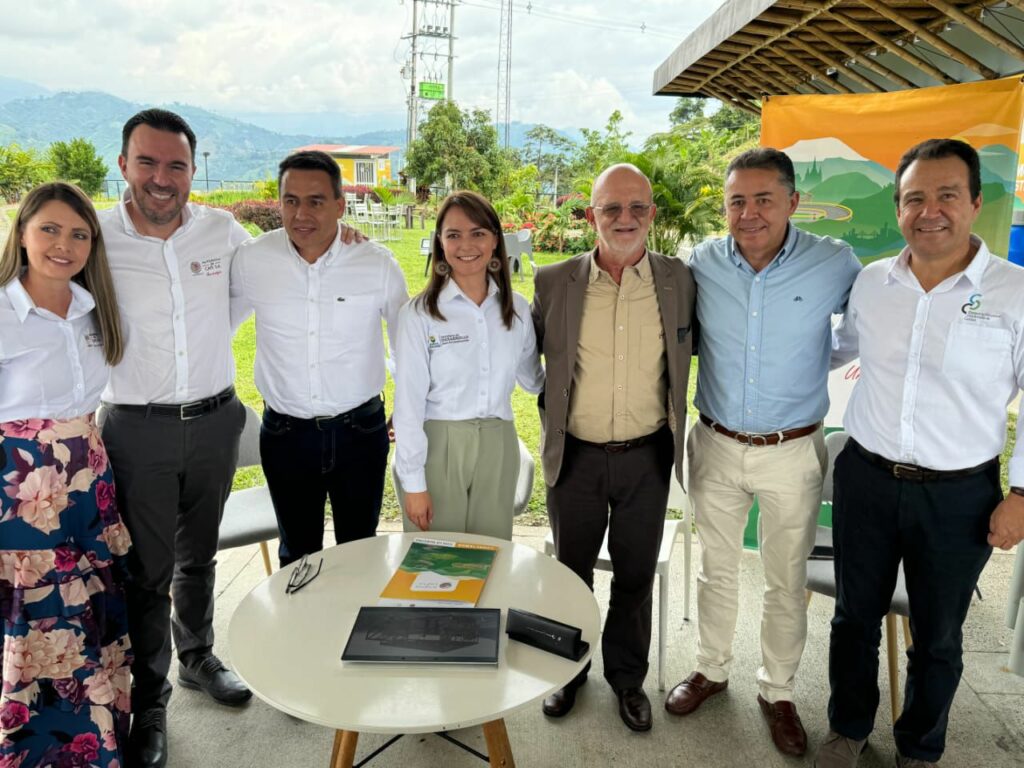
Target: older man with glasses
(614, 328)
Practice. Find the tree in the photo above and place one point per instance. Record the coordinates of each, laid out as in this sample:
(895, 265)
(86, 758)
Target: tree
(553, 163)
(20, 170)
(456, 148)
(598, 151)
(686, 109)
(77, 161)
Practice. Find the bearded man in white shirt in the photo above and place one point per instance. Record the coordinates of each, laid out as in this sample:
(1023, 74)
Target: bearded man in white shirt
(320, 361)
(938, 329)
(172, 418)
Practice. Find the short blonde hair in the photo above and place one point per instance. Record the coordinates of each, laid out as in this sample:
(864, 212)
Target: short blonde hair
(95, 276)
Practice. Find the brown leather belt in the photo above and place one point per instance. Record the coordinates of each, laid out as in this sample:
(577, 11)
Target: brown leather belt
(758, 440)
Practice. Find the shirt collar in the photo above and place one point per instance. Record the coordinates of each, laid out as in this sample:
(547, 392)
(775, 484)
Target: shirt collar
(187, 214)
(788, 246)
(326, 258)
(642, 268)
(81, 301)
(899, 270)
(451, 292)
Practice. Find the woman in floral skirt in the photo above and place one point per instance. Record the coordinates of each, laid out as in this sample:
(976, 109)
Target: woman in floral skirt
(66, 655)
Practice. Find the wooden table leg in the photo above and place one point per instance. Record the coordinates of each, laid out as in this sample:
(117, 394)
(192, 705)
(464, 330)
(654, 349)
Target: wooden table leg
(499, 752)
(344, 752)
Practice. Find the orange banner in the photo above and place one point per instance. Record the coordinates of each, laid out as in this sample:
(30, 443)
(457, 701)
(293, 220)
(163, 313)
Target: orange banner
(845, 149)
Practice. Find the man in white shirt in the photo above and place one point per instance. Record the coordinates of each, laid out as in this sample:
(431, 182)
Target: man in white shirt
(938, 328)
(172, 419)
(320, 362)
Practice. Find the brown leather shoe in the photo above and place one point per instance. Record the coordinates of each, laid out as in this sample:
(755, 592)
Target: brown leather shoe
(788, 733)
(691, 693)
(561, 702)
(635, 708)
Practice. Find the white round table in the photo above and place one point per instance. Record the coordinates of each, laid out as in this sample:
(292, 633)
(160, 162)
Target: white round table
(287, 648)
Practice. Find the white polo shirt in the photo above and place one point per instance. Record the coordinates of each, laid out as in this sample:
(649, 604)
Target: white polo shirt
(173, 296)
(319, 344)
(462, 367)
(938, 369)
(51, 367)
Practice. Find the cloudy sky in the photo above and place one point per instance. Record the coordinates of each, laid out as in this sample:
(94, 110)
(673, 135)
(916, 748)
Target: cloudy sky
(573, 62)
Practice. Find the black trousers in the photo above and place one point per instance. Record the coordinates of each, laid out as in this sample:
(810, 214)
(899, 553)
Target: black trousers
(172, 478)
(308, 460)
(625, 494)
(939, 530)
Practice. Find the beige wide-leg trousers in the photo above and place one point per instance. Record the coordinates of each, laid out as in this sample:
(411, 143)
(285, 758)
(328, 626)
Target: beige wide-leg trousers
(725, 477)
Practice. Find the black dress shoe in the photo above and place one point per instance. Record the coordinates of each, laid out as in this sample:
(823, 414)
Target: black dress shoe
(560, 703)
(147, 744)
(210, 675)
(635, 708)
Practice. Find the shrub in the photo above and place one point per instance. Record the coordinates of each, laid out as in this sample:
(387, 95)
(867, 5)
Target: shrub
(265, 214)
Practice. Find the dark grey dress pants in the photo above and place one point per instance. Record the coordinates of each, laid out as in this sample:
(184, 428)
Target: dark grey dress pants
(172, 478)
(626, 494)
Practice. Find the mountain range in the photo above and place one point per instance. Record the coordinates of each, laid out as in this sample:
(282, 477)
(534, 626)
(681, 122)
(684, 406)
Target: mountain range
(241, 150)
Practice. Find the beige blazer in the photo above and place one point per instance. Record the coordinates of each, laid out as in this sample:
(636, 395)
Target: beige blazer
(557, 311)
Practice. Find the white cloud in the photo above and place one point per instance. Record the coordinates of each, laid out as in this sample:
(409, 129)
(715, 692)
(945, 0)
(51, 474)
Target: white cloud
(571, 65)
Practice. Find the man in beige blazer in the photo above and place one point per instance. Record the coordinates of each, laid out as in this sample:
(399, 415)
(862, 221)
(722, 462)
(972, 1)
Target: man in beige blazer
(614, 328)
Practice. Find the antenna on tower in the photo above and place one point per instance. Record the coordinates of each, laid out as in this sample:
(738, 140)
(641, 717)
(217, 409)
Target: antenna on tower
(502, 109)
(433, 32)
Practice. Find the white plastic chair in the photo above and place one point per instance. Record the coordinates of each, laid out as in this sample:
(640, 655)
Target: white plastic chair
(249, 514)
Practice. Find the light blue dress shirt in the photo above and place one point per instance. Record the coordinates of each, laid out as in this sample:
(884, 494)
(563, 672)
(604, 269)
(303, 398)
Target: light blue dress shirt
(765, 337)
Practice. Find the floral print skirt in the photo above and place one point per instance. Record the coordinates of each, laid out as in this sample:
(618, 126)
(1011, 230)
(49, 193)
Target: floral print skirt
(66, 654)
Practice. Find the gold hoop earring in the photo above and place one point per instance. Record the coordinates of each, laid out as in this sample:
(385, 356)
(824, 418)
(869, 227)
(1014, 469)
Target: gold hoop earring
(442, 268)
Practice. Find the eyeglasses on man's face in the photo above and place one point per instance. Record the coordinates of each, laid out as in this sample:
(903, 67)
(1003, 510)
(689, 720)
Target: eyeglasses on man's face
(302, 574)
(612, 211)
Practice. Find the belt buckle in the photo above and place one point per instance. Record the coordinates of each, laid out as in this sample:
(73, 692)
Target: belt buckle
(754, 438)
(618, 447)
(197, 406)
(906, 472)
(743, 438)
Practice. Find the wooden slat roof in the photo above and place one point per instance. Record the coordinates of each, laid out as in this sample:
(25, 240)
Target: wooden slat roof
(751, 48)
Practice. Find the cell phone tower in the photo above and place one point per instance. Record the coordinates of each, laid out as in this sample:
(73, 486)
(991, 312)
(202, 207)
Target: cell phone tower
(430, 64)
(502, 110)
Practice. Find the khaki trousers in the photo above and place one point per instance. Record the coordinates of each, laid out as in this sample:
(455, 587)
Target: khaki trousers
(472, 467)
(725, 477)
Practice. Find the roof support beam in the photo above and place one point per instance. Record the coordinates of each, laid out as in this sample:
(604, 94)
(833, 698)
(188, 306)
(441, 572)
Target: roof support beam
(833, 84)
(986, 34)
(730, 102)
(891, 47)
(766, 62)
(929, 37)
(773, 86)
(738, 87)
(839, 66)
(861, 57)
(759, 43)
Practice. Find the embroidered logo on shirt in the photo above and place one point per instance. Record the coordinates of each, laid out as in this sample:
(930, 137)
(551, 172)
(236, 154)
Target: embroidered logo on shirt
(93, 339)
(436, 342)
(798, 298)
(973, 303)
(207, 267)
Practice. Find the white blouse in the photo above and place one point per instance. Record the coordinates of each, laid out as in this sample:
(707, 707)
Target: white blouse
(50, 367)
(463, 367)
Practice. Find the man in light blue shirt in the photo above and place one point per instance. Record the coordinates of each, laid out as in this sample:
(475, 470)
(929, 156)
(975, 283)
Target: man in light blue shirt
(765, 297)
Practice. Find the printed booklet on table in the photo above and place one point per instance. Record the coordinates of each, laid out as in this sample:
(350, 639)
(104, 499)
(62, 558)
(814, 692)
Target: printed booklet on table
(440, 573)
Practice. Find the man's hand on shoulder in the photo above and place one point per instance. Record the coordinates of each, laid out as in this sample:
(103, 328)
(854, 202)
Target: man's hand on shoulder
(350, 235)
(1006, 526)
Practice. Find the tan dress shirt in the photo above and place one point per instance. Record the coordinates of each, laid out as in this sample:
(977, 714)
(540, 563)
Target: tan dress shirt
(620, 387)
